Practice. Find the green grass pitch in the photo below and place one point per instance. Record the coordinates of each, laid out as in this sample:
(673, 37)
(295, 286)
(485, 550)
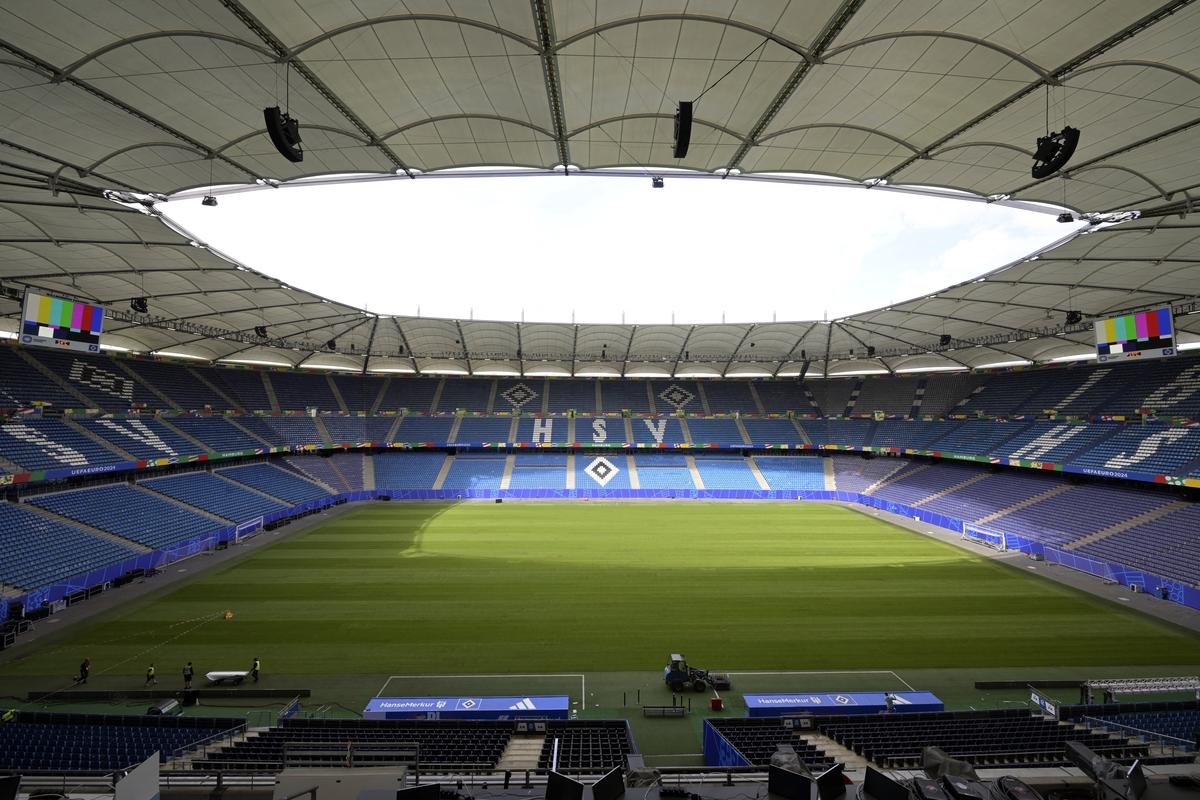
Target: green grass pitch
(608, 590)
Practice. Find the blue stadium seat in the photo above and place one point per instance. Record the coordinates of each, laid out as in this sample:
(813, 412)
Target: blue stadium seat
(38, 551)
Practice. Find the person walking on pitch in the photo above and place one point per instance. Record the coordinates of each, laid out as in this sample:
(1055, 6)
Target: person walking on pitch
(151, 678)
(188, 674)
(254, 670)
(85, 667)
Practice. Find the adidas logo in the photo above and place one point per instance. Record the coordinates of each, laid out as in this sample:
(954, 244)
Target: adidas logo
(524, 705)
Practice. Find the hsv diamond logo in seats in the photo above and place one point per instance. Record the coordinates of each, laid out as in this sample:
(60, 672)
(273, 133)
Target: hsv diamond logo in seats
(676, 395)
(105, 381)
(601, 470)
(518, 395)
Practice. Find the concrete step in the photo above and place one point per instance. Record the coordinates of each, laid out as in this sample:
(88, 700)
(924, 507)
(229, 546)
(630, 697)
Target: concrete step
(954, 488)
(521, 754)
(842, 755)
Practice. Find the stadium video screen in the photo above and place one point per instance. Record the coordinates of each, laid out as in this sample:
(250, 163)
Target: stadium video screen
(1143, 334)
(48, 321)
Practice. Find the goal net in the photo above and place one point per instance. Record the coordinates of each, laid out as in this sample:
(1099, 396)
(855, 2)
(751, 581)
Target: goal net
(984, 537)
(247, 529)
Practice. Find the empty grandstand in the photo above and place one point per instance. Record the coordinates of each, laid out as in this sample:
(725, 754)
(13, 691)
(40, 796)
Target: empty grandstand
(209, 462)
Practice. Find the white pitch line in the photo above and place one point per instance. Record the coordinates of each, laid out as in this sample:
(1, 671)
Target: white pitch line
(580, 675)
(906, 683)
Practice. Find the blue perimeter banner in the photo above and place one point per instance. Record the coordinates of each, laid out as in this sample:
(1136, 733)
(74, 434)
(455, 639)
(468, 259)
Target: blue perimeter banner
(778, 705)
(519, 707)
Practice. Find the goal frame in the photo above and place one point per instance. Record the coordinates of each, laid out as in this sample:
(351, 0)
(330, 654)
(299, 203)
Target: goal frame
(985, 537)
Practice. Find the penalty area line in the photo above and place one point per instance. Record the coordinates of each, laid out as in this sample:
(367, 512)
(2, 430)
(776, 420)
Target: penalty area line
(580, 675)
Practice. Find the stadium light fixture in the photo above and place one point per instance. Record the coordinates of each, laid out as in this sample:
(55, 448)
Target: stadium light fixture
(209, 201)
(139, 305)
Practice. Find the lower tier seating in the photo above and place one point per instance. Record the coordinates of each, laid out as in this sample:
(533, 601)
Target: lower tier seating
(450, 743)
(757, 739)
(99, 742)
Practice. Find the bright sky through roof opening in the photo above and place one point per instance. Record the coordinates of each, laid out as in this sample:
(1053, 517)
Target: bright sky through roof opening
(605, 250)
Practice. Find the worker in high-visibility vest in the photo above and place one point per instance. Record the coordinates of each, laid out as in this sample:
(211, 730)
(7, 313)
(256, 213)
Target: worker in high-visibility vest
(254, 670)
(151, 678)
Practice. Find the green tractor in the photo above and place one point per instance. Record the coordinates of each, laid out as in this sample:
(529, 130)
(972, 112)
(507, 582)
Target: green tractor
(680, 677)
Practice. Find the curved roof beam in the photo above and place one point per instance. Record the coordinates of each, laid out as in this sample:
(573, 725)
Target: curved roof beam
(128, 40)
(732, 23)
(861, 128)
(1183, 73)
(962, 37)
(86, 171)
(1182, 245)
(446, 117)
(368, 23)
(715, 126)
(8, 62)
(261, 131)
(1002, 145)
(1072, 173)
(32, 222)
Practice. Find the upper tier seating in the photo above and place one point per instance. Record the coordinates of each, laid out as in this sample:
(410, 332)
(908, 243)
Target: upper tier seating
(856, 433)
(245, 387)
(1169, 387)
(1054, 441)
(567, 395)
(424, 429)
(215, 495)
(978, 437)
(758, 738)
(779, 397)
(358, 429)
(21, 384)
(359, 392)
(946, 391)
(457, 744)
(715, 431)
(223, 434)
(657, 430)
(673, 396)
(179, 383)
(469, 394)
(49, 444)
(36, 551)
(134, 514)
(534, 430)
(621, 395)
(217, 433)
(792, 472)
(731, 472)
(728, 396)
(832, 395)
(414, 394)
(73, 743)
(484, 429)
(275, 481)
(592, 746)
(984, 738)
(141, 437)
(910, 434)
(299, 391)
(891, 395)
(293, 430)
(407, 470)
(1145, 448)
(100, 379)
(772, 431)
